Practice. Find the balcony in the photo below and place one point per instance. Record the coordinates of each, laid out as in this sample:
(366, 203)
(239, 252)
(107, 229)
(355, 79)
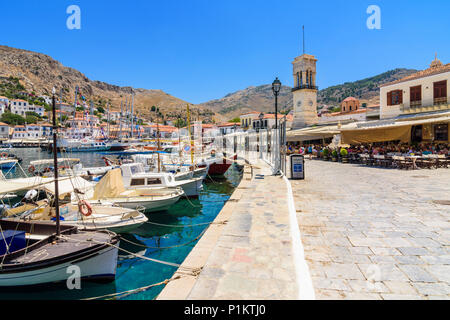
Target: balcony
(440, 101)
(416, 104)
(305, 86)
(440, 104)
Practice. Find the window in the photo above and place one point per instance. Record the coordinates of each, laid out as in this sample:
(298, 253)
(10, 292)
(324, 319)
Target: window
(137, 182)
(153, 181)
(441, 132)
(440, 89)
(415, 94)
(395, 97)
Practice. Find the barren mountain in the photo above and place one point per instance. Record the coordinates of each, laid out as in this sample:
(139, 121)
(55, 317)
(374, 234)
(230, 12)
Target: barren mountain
(39, 73)
(261, 98)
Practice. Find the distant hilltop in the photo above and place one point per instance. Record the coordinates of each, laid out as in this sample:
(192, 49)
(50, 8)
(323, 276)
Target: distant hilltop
(39, 73)
(261, 98)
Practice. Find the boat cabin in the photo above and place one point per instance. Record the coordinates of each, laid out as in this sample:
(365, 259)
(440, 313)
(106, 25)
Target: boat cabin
(135, 176)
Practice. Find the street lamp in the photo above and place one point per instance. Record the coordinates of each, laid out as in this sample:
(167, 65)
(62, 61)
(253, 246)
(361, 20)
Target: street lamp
(276, 87)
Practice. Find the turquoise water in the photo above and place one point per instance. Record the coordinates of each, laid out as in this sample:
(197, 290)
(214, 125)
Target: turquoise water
(134, 272)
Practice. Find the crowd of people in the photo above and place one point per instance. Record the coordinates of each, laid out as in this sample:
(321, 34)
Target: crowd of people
(373, 149)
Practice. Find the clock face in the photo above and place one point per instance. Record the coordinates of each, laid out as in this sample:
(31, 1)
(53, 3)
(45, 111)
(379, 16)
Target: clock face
(311, 103)
(299, 103)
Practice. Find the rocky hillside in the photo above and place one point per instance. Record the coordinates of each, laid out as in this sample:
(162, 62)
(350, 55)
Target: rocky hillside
(39, 73)
(366, 90)
(251, 99)
(261, 98)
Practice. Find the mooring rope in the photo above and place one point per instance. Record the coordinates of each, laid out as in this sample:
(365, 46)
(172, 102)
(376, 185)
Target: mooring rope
(123, 294)
(132, 253)
(170, 247)
(186, 225)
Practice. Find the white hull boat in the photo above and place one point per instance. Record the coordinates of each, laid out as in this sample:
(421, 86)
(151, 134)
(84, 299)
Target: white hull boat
(49, 258)
(111, 190)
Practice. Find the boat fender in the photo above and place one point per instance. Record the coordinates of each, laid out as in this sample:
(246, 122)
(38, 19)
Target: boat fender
(85, 208)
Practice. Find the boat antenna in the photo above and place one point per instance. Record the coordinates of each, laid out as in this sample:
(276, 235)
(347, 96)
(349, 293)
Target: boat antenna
(55, 164)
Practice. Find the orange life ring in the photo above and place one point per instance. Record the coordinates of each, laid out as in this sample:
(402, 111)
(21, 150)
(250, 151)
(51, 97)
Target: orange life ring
(85, 208)
(31, 169)
(4, 155)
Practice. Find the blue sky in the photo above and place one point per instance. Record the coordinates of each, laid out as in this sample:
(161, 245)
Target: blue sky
(199, 50)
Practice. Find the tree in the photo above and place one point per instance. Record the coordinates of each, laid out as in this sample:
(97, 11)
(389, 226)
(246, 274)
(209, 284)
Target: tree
(31, 119)
(34, 114)
(236, 120)
(153, 109)
(180, 123)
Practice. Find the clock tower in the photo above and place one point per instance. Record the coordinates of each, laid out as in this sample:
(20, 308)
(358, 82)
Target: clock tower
(305, 91)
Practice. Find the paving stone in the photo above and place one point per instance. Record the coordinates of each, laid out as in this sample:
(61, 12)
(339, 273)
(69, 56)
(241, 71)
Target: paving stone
(432, 289)
(393, 296)
(412, 251)
(401, 287)
(343, 271)
(440, 272)
(409, 260)
(416, 273)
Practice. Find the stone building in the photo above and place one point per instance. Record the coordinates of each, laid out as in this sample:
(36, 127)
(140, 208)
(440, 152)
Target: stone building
(304, 91)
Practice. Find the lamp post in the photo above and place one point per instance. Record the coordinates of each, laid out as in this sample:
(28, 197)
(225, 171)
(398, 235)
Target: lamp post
(276, 87)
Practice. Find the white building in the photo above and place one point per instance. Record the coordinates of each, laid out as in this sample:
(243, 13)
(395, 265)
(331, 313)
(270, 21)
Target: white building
(21, 107)
(4, 130)
(424, 91)
(32, 131)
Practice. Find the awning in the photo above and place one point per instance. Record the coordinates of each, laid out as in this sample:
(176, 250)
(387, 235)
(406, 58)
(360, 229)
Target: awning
(312, 133)
(385, 130)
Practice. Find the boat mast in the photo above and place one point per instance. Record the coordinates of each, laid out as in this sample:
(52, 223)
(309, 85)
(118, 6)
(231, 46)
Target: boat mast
(159, 147)
(126, 114)
(190, 135)
(75, 105)
(55, 164)
(120, 120)
(132, 114)
(109, 133)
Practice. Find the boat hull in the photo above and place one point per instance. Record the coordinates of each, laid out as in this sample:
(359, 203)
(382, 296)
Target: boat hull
(99, 266)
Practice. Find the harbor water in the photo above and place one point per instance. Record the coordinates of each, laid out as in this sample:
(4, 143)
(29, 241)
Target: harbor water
(168, 236)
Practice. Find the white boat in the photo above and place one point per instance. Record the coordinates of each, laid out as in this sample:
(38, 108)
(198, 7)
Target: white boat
(170, 164)
(135, 177)
(83, 145)
(37, 255)
(111, 190)
(101, 216)
(45, 167)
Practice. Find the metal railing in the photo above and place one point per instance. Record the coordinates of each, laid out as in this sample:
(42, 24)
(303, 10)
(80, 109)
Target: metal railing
(252, 146)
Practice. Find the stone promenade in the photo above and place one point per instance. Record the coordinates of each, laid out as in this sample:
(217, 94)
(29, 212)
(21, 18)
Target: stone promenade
(372, 233)
(251, 257)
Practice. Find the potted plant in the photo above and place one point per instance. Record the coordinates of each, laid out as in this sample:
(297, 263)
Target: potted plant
(334, 156)
(344, 155)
